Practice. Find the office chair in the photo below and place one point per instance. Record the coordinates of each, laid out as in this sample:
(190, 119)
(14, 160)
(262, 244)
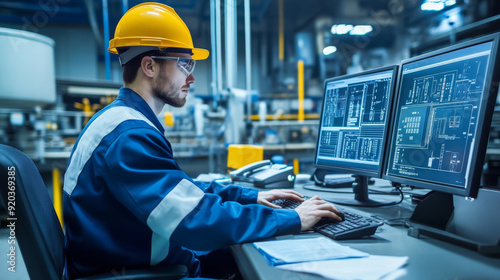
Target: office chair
(38, 231)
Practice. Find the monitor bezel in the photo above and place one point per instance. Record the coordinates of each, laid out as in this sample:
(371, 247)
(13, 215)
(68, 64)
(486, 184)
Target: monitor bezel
(484, 117)
(351, 170)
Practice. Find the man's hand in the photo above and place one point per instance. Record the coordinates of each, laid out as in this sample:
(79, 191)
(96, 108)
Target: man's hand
(266, 197)
(313, 209)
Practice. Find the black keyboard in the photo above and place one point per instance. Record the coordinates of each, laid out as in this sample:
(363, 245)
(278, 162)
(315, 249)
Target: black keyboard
(353, 227)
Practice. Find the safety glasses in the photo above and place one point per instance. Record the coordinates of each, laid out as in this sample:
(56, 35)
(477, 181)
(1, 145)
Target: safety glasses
(184, 63)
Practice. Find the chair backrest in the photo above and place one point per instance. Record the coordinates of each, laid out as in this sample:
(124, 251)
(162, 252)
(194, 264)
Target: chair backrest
(37, 228)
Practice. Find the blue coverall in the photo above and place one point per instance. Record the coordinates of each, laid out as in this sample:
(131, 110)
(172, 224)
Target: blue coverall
(127, 204)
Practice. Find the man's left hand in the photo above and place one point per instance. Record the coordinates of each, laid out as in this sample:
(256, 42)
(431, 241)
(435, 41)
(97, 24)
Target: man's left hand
(266, 197)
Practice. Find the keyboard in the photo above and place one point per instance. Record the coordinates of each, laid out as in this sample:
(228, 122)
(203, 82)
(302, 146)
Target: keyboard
(354, 226)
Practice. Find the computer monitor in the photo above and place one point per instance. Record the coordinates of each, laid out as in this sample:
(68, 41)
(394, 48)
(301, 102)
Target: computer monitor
(353, 128)
(442, 115)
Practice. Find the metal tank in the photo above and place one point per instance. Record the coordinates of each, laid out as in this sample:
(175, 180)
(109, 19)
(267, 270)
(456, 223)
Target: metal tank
(27, 72)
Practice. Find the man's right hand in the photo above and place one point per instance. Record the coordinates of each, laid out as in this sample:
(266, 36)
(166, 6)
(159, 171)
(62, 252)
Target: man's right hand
(315, 208)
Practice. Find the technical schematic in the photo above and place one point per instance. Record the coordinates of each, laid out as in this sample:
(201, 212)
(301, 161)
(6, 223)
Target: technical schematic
(436, 117)
(354, 119)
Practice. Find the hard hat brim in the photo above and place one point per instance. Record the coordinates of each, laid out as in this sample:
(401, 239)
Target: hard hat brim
(200, 54)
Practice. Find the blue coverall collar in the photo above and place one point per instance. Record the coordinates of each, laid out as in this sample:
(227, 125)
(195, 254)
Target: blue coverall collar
(133, 99)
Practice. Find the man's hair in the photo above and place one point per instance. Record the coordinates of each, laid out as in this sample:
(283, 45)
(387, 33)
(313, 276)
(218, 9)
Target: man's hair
(131, 67)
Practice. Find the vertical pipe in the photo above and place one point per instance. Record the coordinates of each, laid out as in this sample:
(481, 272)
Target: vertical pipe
(124, 6)
(281, 31)
(296, 166)
(57, 193)
(216, 70)
(107, 57)
(215, 51)
(231, 39)
(248, 57)
(219, 45)
(300, 87)
(248, 46)
(235, 116)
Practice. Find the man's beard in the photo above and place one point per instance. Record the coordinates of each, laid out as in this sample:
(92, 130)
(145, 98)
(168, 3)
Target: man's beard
(160, 92)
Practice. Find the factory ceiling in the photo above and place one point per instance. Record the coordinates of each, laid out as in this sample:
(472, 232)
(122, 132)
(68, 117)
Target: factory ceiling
(299, 11)
(388, 17)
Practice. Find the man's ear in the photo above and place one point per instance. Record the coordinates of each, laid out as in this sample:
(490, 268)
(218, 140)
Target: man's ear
(147, 66)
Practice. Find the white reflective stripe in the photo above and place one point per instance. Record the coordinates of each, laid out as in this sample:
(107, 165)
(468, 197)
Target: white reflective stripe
(159, 248)
(89, 141)
(168, 214)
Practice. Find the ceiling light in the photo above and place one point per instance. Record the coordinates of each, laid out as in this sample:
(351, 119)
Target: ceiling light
(341, 29)
(361, 30)
(329, 50)
(448, 3)
(436, 5)
(431, 6)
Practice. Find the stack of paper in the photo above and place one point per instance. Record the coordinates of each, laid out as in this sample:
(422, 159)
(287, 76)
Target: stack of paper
(278, 252)
(327, 258)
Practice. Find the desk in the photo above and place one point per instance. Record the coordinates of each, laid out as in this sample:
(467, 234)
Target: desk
(428, 258)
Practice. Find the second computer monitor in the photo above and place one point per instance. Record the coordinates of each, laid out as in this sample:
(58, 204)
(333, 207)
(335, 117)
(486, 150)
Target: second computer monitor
(442, 117)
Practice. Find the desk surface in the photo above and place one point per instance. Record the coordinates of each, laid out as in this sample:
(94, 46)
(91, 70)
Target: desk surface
(428, 258)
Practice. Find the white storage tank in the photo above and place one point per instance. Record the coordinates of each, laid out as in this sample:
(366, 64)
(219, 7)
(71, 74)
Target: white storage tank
(27, 73)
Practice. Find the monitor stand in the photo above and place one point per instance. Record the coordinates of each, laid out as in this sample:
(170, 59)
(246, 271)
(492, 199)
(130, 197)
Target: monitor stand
(361, 198)
(473, 224)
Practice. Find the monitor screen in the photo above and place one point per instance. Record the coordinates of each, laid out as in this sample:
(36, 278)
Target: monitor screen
(353, 122)
(441, 118)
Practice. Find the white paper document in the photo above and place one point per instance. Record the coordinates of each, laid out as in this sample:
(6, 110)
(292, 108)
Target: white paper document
(325, 257)
(278, 252)
(369, 268)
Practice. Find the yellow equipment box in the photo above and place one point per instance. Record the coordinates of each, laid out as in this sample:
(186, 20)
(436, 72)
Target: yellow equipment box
(241, 155)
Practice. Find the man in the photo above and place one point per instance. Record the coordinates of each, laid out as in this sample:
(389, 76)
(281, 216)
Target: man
(127, 204)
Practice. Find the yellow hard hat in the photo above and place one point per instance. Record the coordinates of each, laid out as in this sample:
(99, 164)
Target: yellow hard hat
(154, 25)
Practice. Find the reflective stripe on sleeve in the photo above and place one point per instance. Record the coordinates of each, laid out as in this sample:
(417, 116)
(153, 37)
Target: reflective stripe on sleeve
(168, 214)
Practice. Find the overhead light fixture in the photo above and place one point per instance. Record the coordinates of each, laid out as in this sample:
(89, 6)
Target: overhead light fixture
(342, 29)
(361, 30)
(432, 6)
(436, 5)
(329, 50)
